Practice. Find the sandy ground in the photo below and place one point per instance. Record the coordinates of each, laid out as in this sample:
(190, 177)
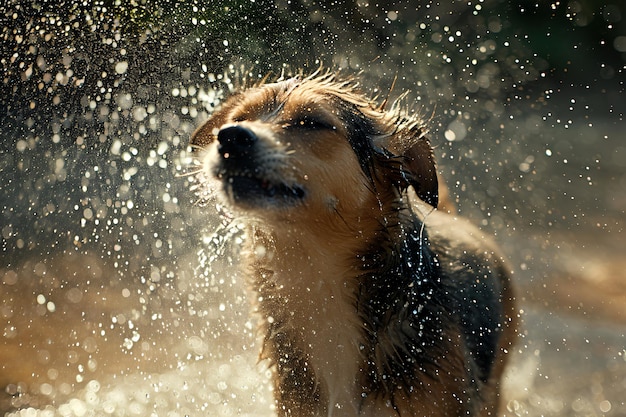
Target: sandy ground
(79, 339)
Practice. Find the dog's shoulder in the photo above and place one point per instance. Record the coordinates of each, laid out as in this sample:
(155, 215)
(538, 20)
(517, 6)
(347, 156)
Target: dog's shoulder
(478, 278)
(456, 239)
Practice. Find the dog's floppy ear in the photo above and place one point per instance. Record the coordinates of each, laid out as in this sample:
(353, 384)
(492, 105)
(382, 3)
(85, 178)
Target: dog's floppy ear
(411, 156)
(408, 153)
(420, 171)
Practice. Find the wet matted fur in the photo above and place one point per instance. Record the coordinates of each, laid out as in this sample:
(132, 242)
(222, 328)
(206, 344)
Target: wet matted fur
(372, 302)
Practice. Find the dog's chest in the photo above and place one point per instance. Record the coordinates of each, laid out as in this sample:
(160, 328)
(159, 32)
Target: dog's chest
(321, 311)
(334, 341)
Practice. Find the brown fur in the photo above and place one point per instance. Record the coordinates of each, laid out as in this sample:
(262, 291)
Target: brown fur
(371, 304)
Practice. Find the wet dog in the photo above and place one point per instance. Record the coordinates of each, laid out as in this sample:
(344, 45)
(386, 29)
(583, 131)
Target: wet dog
(372, 302)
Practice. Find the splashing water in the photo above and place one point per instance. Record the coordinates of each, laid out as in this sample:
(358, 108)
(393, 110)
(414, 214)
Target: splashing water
(116, 300)
(210, 366)
(231, 388)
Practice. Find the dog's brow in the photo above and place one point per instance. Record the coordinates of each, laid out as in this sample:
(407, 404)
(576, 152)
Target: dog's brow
(262, 104)
(277, 108)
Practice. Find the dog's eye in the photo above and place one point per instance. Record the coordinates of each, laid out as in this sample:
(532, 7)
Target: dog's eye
(312, 123)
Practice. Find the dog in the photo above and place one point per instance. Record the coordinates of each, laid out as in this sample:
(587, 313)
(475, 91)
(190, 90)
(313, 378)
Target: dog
(372, 302)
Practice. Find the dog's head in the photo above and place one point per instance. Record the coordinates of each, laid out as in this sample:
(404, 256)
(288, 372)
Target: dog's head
(314, 147)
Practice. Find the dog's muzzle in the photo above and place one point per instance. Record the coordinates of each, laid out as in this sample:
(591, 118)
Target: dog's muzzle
(247, 176)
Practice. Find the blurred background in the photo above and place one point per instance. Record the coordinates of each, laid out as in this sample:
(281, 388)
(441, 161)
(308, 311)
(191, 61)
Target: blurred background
(119, 294)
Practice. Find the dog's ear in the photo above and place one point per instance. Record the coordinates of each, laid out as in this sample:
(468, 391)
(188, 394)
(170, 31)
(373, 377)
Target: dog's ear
(419, 170)
(411, 156)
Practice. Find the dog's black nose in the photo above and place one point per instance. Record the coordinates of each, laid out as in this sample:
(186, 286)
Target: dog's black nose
(235, 140)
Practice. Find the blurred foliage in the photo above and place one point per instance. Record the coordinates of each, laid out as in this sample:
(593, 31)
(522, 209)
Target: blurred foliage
(580, 39)
(75, 74)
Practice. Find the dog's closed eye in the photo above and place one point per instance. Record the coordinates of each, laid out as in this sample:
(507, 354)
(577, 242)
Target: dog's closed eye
(312, 123)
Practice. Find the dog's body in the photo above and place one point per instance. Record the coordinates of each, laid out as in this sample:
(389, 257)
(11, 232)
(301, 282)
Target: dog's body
(371, 304)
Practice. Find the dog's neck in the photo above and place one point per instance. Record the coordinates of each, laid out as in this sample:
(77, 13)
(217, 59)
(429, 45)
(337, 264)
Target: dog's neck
(307, 300)
(314, 306)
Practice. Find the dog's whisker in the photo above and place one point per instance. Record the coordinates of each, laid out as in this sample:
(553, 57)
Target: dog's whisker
(196, 148)
(189, 173)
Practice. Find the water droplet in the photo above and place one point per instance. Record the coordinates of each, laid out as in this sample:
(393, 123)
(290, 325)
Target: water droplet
(121, 67)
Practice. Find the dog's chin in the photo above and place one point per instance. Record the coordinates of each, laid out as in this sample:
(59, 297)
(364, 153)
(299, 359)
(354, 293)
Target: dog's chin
(250, 192)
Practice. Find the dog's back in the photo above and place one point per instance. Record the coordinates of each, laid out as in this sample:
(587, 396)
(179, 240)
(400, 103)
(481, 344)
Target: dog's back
(483, 300)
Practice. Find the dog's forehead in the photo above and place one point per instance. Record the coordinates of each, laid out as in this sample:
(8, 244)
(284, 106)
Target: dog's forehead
(297, 91)
(281, 97)
(284, 87)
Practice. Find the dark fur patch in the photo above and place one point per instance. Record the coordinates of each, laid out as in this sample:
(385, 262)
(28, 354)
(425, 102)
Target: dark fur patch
(410, 315)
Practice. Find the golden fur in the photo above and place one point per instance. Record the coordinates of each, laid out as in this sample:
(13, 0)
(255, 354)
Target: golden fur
(357, 282)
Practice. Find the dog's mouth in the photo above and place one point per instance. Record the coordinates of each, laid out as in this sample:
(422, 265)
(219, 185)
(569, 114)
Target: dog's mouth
(252, 172)
(249, 189)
